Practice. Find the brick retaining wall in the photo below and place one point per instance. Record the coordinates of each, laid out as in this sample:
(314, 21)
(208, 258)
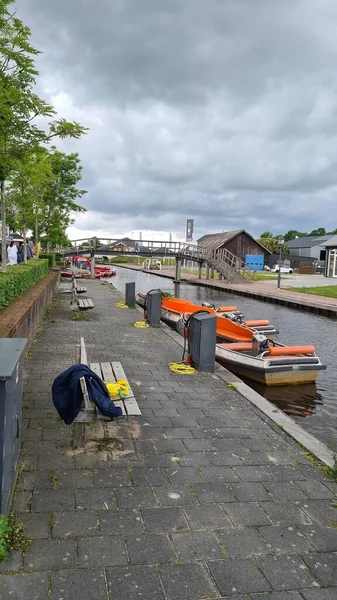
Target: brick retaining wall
(22, 318)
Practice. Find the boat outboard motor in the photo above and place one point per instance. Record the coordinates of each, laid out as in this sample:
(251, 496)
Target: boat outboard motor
(262, 342)
(208, 305)
(236, 318)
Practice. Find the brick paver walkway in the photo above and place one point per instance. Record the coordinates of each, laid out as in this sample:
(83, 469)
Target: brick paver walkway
(198, 498)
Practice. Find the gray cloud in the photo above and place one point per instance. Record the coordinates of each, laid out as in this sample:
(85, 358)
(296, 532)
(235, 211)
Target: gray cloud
(224, 110)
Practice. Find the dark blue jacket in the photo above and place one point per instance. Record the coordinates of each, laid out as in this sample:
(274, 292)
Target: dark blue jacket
(68, 397)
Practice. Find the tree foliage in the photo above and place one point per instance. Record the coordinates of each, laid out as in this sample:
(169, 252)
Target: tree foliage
(273, 246)
(20, 107)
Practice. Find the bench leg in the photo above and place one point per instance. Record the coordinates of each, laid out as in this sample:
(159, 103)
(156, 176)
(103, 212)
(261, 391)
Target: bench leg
(79, 435)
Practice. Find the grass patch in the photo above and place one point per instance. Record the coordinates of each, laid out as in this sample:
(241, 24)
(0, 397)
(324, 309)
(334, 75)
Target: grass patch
(11, 536)
(79, 316)
(330, 472)
(329, 291)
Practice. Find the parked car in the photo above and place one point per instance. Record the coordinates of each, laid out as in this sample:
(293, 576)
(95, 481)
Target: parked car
(283, 269)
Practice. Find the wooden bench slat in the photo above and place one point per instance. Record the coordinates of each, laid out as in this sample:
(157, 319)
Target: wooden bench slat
(131, 407)
(96, 368)
(87, 403)
(121, 405)
(107, 372)
(83, 353)
(120, 374)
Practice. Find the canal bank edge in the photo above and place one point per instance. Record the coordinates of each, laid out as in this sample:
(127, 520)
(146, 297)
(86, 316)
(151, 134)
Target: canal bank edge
(22, 317)
(326, 310)
(277, 416)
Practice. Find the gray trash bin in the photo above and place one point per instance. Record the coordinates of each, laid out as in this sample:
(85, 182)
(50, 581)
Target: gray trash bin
(11, 367)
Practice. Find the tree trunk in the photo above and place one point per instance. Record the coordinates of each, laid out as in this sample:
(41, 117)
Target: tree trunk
(36, 230)
(3, 226)
(24, 243)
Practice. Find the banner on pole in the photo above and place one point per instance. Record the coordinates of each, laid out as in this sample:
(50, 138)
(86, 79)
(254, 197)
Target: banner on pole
(189, 230)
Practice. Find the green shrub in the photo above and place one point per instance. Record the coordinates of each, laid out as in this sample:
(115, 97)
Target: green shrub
(50, 256)
(19, 278)
(11, 536)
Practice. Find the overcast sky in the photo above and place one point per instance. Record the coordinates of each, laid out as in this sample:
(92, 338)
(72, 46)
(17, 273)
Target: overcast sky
(219, 110)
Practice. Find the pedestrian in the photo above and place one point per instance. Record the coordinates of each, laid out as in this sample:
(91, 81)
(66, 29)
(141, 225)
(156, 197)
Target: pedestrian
(29, 249)
(12, 253)
(20, 253)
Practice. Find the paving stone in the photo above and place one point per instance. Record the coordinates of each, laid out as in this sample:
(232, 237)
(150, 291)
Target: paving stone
(78, 478)
(95, 499)
(210, 518)
(22, 501)
(200, 445)
(24, 586)
(174, 446)
(324, 567)
(250, 492)
(319, 511)
(191, 459)
(50, 555)
(164, 520)
(56, 461)
(213, 492)
(107, 551)
(177, 432)
(149, 476)
(85, 584)
(239, 575)
(150, 548)
(323, 538)
(286, 572)
(223, 458)
(257, 473)
(285, 490)
(278, 596)
(319, 594)
(38, 480)
(36, 526)
(134, 583)
(315, 489)
(286, 539)
(120, 521)
(246, 514)
(185, 498)
(229, 445)
(285, 513)
(50, 500)
(197, 545)
(206, 434)
(187, 582)
(12, 563)
(70, 524)
(181, 475)
(219, 474)
(139, 497)
(161, 459)
(242, 542)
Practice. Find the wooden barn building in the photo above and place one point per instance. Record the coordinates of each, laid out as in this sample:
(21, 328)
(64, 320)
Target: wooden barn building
(241, 244)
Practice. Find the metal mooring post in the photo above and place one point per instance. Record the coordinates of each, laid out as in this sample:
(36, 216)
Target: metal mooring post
(153, 303)
(202, 340)
(130, 294)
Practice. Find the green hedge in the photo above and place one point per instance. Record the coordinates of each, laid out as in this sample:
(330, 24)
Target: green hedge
(51, 257)
(19, 278)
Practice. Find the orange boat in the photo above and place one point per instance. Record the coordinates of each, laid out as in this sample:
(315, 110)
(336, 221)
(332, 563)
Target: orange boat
(231, 325)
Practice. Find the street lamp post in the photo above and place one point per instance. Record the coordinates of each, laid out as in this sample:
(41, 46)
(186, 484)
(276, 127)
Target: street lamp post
(280, 242)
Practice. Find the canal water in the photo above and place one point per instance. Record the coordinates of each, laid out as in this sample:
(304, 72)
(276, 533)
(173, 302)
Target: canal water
(312, 406)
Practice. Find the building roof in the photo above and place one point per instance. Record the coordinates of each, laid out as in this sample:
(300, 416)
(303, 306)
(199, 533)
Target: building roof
(331, 242)
(213, 241)
(309, 241)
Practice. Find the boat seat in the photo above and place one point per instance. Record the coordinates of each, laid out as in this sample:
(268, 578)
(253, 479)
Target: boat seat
(237, 346)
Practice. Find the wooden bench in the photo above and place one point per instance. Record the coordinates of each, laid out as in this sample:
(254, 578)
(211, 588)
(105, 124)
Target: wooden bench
(85, 303)
(108, 371)
(77, 303)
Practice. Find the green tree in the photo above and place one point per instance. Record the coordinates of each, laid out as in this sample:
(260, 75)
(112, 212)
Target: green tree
(20, 106)
(292, 234)
(266, 234)
(319, 231)
(272, 245)
(60, 198)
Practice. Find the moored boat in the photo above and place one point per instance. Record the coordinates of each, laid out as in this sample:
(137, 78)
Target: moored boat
(175, 310)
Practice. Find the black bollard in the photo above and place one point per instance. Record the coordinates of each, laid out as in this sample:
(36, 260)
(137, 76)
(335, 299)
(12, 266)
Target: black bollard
(202, 340)
(153, 308)
(130, 294)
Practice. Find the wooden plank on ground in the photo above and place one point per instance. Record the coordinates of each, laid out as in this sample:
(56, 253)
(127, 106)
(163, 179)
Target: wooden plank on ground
(96, 368)
(131, 407)
(83, 353)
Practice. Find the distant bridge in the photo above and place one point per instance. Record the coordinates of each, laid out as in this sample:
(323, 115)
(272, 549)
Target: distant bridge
(229, 266)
